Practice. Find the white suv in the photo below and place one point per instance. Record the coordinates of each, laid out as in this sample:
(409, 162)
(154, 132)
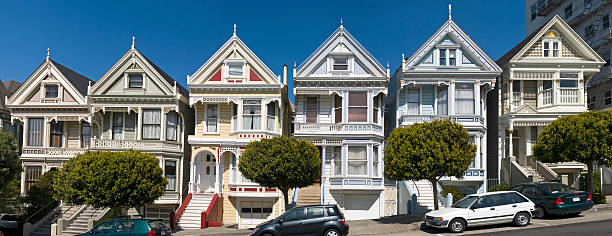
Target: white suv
(483, 209)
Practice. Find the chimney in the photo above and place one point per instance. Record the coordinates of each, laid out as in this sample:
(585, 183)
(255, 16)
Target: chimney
(285, 74)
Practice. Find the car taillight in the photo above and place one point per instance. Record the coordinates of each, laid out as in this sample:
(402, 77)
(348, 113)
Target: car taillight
(152, 233)
(589, 198)
(342, 221)
(559, 201)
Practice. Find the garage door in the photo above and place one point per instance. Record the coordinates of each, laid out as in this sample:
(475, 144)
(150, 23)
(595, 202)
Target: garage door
(361, 206)
(253, 213)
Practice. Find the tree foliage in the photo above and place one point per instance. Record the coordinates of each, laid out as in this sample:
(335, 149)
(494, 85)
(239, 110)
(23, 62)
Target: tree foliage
(584, 138)
(111, 179)
(9, 158)
(39, 199)
(428, 151)
(282, 163)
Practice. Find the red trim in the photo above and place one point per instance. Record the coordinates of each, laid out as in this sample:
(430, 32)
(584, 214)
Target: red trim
(254, 76)
(216, 77)
(177, 216)
(270, 190)
(249, 189)
(204, 222)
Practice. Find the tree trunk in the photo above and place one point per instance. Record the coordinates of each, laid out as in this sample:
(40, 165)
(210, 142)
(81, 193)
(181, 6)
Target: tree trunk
(591, 185)
(286, 197)
(434, 186)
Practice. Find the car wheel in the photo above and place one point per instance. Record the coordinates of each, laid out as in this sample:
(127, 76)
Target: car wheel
(332, 232)
(456, 226)
(521, 219)
(539, 212)
(267, 234)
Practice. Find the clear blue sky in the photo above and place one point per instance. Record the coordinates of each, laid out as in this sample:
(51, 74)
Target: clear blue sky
(90, 36)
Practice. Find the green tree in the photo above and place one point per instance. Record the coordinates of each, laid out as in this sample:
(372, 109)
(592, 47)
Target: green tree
(428, 151)
(584, 138)
(39, 199)
(282, 163)
(110, 179)
(9, 159)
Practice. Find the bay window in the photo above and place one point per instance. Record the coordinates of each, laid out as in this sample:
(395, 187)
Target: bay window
(337, 155)
(357, 160)
(35, 132)
(85, 135)
(547, 92)
(375, 161)
(55, 133)
(312, 109)
(271, 124)
(234, 117)
(117, 126)
(442, 100)
(170, 174)
(251, 115)
(376, 109)
(212, 118)
(568, 90)
(172, 126)
(464, 98)
(151, 124)
(337, 109)
(516, 93)
(358, 107)
(413, 99)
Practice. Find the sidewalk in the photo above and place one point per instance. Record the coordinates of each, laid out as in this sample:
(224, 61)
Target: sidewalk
(604, 207)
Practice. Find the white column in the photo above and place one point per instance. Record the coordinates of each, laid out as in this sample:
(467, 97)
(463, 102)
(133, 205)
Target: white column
(46, 132)
(370, 106)
(510, 154)
(477, 161)
(484, 162)
(217, 185)
(451, 98)
(25, 132)
(163, 125)
(369, 158)
(477, 98)
(510, 102)
(345, 106)
(239, 119)
(344, 154)
(139, 125)
(556, 86)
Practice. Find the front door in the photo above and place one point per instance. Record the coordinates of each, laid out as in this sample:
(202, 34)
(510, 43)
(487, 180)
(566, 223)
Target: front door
(208, 173)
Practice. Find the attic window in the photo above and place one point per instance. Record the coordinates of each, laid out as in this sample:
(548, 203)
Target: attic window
(135, 80)
(51, 91)
(340, 63)
(235, 70)
(551, 48)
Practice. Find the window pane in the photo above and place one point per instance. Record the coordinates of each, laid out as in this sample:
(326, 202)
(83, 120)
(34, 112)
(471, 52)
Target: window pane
(212, 117)
(251, 118)
(464, 100)
(442, 101)
(358, 99)
(338, 109)
(51, 91)
(442, 57)
(337, 160)
(35, 132)
(357, 160)
(135, 80)
(151, 124)
(547, 84)
(314, 212)
(171, 126)
(56, 131)
(569, 83)
(340, 63)
(85, 135)
(271, 107)
(311, 109)
(170, 174)
(235, 70)
(358, 114)
(503, 199)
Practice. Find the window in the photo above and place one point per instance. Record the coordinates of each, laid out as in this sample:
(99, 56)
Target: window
(517, 198)
(312, 105)
(413, 99)
(546, 49)
(212, 119)
(251, 115)
(234, 169)
(314, 212)
(172, 126)
(35, 132)
(442, 100)
(337, 109)
(608, 98)
(135, 80)
(569, 91)
(271, 124)
(357, 160)
(337, 161)
(503, 199)
(234, 117)
(442, 57)
(170, 174)
(117, 126)
(375, 161)
(56, 130)
(452, 57)
(332, 211)
(376, 109)
(32, 174)
(151, 124)
(534, 10)
(547, 92)
(340, 63)
(464, 101)
(516, 93)
(589, 31)
(568, 12)
(555, 49)
(85, 135)
(295, 215)
(485, 201)
(51, 91)
(605, 21)
(358, 107)
(235, 70)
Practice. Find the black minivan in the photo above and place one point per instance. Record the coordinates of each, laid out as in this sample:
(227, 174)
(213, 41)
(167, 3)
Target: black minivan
(326, 220)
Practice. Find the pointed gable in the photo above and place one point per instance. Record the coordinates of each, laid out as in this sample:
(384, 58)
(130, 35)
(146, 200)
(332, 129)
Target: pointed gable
(71, 86)
(341, 44)
(135, 74)
(452, 48)
(234, 63)
(571, 45)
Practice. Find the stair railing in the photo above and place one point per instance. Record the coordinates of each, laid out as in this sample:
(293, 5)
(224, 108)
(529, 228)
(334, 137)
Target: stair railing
(176, 216)
(210, 215)
(27, 220)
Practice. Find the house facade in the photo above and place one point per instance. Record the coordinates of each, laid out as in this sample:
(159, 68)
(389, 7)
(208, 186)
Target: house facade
(52, 109)
(136, 105)
(237, 99)
(339, 91)
(448, 77)
(544, 77)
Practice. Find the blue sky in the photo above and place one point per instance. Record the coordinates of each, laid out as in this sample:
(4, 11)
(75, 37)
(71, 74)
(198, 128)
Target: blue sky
(179, 36)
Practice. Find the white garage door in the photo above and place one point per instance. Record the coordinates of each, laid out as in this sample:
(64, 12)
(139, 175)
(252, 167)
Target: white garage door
(253, 213)
(361, 206)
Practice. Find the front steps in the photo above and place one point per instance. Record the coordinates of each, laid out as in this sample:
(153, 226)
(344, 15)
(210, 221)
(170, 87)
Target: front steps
(310, 195)
(192, 216)
(425, 197)
(79, 225)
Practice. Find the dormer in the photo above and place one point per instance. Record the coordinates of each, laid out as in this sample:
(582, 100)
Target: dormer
(551, 44)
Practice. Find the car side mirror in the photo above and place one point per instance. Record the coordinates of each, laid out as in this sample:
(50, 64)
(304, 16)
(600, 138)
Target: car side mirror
(473, 207)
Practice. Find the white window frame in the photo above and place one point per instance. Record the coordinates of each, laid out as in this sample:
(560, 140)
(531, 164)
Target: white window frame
(551, 50)
(552, 93)
(348, 106)
(333, 63)
(273, 118)
(122, 126)
(206, 118)
(234, 62)
(58, 91)
(334, 164)
(261, 116)
(367, 149)
(234, 117)
(127, 76)
(375, 160)
(176, 174)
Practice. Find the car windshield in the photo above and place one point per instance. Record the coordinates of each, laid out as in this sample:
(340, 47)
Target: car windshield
(465, 202)
(556, 188)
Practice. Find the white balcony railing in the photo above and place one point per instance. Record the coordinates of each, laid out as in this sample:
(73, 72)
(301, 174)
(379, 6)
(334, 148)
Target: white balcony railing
(51, 151)
(337, 128)
(569, 95)
(348, 183)
(411, 119)
(134, 144)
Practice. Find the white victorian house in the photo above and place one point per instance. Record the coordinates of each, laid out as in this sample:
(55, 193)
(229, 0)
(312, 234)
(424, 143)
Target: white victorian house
(448, 77)
(544, 78)
(339, 91)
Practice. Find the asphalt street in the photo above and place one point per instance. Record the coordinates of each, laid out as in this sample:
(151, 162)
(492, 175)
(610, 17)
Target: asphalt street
(595, 228)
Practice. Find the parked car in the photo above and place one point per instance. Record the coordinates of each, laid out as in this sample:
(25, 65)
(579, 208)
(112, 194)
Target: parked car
(326, 220)
(555, 198)
(132, 227)
(482, 209)
(9, 225)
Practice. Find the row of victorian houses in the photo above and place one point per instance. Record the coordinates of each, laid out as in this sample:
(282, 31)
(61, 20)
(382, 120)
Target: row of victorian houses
(346, 103)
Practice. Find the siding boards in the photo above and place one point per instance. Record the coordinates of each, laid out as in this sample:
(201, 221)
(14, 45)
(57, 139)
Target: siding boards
(402, 102)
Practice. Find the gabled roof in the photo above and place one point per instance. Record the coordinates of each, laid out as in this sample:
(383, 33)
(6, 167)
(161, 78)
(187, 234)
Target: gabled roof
(450, 28)
(6, 90)
(521, 48)
(199, 76)
(79, 81)
(341, 35)
(167, 77)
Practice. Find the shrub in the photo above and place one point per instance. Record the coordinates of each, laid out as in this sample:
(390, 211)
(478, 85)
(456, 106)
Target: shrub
(499, 187)
(457, 195)
(39, 199)
(598, 198)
